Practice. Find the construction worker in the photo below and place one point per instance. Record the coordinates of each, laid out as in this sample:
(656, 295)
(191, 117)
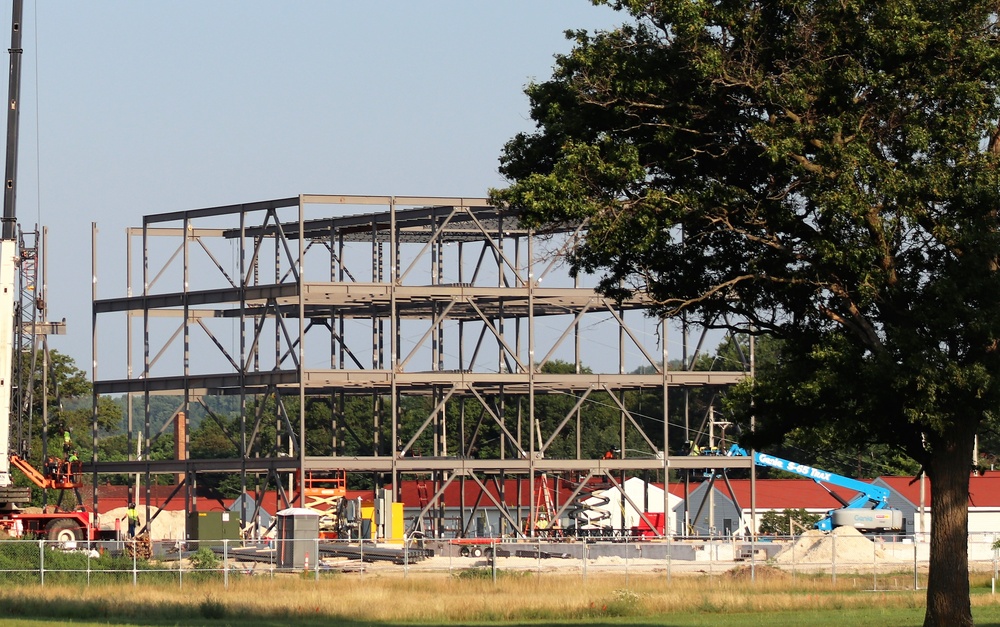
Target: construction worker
(132, 516)
(67, 441)
(542, 525)
(51, 467)
(73, 457)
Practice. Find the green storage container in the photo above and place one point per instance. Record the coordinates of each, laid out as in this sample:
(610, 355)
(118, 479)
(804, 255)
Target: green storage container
(210, 528)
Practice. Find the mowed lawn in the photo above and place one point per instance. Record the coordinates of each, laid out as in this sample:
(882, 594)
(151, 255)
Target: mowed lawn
(374, 601)
(910, 617)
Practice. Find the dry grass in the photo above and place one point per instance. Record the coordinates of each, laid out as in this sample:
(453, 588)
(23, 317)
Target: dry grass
(434, 598)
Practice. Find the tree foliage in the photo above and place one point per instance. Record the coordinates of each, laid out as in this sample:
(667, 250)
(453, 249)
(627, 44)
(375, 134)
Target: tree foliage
(826, 172)
(821, 445)
(66, 403)
(787, 522)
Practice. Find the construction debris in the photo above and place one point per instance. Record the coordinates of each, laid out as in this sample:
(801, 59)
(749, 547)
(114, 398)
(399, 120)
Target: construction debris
(375, 553)
(141, 547)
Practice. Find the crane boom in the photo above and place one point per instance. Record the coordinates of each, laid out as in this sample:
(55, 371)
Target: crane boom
(9, 245)
(869, 509)
(9, 231)
(878, 496)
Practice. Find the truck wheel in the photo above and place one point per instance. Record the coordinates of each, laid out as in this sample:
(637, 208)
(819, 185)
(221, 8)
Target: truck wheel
(464, 551)
(63, 530)
(477, 552)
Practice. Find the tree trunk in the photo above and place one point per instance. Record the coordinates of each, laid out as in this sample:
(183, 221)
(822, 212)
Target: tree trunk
(948, 602)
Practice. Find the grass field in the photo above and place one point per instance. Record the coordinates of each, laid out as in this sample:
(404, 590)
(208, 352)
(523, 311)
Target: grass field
(473, 599)
(888, 618)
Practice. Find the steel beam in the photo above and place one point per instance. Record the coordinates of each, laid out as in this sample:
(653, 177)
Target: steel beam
(409, 291)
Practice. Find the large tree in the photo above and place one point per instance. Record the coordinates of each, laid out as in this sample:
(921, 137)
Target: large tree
(826, 171)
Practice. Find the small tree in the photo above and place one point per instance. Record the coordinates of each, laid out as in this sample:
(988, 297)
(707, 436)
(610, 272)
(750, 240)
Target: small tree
(787, 522)
(205, 559)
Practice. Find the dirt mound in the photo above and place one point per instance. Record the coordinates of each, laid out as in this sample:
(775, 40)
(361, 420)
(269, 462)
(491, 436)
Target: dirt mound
(817, 547)
(168, 524)
(746, 573)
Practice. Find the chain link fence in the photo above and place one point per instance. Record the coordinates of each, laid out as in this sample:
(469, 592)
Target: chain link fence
(851, 560)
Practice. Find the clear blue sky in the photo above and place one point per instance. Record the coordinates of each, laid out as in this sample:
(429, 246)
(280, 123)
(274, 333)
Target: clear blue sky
(131, 108)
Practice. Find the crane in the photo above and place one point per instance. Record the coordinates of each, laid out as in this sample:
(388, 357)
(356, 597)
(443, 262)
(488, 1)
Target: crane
(8, 248)
(55, 525)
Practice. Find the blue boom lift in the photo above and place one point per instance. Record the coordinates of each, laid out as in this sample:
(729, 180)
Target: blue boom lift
(868, 511)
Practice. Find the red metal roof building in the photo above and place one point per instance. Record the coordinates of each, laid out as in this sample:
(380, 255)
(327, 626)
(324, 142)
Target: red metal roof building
(984, 502)
(771, 495)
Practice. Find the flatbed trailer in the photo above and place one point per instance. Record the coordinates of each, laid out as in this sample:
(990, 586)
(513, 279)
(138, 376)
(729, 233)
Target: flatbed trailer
(52, 525)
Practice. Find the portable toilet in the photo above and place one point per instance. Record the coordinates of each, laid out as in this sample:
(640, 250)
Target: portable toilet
(298, 536)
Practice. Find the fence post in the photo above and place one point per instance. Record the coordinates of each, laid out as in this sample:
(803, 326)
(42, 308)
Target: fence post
(135, 564)
(710, 548)
(317, 559)
(41, 561)
(670, 559)
(493, 559)
(875, 564)
(795, 566)
(994, 546)
(916, 581)
(538, 559)
(626, 561)
(225, 566)
(833, 536)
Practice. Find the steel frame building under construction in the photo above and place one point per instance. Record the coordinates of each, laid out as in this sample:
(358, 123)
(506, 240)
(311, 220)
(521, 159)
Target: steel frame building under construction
(333, 298)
